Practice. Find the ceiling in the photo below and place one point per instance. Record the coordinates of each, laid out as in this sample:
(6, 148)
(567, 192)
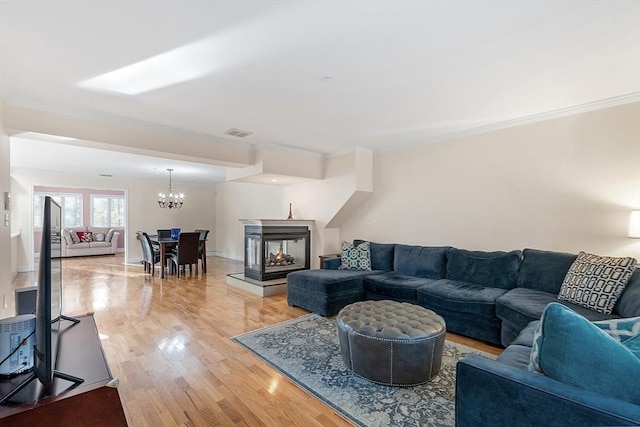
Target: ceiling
(49, 153)
(320, 76)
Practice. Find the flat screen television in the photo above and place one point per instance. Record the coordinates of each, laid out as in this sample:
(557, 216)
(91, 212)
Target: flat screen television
(49, 299)
(48, 304)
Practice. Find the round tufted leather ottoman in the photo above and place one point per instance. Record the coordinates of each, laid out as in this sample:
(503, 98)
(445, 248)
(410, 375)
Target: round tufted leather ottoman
(392, 343)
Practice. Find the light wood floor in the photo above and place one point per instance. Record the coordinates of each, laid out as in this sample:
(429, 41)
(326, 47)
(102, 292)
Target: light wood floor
(168, 342)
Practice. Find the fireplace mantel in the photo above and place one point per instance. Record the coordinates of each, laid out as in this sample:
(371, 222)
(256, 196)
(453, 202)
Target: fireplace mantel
(278, 222)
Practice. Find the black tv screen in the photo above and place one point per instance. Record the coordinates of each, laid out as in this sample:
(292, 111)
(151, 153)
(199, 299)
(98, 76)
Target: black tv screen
(48, 307)
(49, 299)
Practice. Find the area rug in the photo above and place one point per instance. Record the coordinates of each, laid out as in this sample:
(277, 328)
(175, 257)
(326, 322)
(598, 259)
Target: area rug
(306, 350)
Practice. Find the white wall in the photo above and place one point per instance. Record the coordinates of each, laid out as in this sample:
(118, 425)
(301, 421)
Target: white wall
(319, 200)
(235, 201)
(6, 290)
(346, 178)
(565, 184)
(143, 213)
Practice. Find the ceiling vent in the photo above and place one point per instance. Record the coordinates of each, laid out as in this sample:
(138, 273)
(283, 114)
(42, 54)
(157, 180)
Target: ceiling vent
(238, 132)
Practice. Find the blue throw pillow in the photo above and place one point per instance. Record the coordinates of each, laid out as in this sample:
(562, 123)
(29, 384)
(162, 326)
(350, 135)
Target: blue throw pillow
(571, 349)
(633, 344)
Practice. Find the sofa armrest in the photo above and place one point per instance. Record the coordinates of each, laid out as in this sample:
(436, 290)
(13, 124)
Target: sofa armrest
(114, 241)
(331, 263)
(490, 393)
(63, 247)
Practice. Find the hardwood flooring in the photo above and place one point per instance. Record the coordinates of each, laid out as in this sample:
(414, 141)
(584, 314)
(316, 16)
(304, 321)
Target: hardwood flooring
(168, 342)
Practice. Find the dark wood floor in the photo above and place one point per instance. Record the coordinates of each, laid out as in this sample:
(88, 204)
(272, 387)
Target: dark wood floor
(168, 342)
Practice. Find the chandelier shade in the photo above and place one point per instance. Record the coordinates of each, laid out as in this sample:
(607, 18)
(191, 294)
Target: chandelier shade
(170, 200)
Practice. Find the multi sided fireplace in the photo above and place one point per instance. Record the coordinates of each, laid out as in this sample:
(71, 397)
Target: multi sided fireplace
(274, 248)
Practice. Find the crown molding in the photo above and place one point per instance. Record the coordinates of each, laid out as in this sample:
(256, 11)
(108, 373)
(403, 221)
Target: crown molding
(117, 120)
(554, 114)
(362, 150)
(293, 150)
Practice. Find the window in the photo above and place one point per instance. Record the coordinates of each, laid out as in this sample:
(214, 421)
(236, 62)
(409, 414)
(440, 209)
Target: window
(71, 208)
(107, 211)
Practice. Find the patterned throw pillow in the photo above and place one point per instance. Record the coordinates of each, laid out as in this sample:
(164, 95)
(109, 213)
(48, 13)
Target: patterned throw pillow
(99, 237)
(109, 235)
(85, 236)
(596, 282)
(355, 257)
(625, 331)
(74, 236)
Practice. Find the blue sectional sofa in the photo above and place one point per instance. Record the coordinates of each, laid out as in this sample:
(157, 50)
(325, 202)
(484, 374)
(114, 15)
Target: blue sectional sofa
(497, 297)
(490, 296)
(504, 393)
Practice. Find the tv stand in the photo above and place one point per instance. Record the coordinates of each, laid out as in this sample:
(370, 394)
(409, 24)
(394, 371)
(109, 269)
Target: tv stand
(95, 400)
(70, 319)
(56, 374)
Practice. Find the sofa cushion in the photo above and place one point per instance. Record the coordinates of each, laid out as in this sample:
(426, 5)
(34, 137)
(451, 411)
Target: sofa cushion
(628, 304)
(327, 281)
(331, 263)
(394, 285)
(491, 269)
(82, 245)
(96, 230)
(544, 270)
(355, 257)
(596, 282)
(428, 262)
(109, 235)
(521, 306)
(99, 237)
(74, 236)
(381, 255)
(460, 297)
(67, 237)
(515, 355)
(100, 244)
(525, 337)
(573, 350)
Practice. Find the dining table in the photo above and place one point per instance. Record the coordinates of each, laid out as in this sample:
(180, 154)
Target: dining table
(169, 242)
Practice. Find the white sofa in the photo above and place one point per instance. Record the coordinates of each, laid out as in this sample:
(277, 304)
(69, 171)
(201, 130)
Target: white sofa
(103, 241)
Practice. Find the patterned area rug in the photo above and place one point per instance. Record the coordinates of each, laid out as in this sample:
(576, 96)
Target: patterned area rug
(307, 351)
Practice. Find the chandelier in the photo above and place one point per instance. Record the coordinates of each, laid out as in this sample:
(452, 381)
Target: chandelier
(172, 200)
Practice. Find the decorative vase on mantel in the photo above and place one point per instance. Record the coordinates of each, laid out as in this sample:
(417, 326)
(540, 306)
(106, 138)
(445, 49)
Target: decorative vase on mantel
(290, 213)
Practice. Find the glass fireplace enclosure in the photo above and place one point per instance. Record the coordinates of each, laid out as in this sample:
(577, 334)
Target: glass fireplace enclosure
(274, 251)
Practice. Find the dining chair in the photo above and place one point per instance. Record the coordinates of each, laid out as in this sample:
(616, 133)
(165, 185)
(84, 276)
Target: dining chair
(186, 253)
(202, 251)
(145, 255)
(164, 233)
(150, 255)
